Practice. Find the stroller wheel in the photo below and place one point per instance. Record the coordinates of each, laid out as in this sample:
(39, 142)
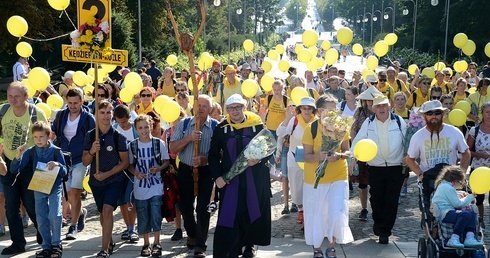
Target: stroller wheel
(422, 248)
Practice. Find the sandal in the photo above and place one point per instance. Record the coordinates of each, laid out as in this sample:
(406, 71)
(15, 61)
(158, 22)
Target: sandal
(103, 254)
(330, 250)
(111, 248)
(57, 251)
(318, 252)
(145, 251)
(156, 250)
(43, 254)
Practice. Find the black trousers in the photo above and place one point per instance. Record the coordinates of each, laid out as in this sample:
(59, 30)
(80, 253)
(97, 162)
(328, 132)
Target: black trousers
(196, 227)
(385, 183)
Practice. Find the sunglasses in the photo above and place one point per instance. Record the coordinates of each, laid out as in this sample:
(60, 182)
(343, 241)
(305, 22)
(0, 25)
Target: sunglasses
(434, 113)
(306, 108)
(101, 95)
(180, 90)
(435, 97)
(382, 80)
(447, 75)
(373, 83)
(146, 95)
(260, 72)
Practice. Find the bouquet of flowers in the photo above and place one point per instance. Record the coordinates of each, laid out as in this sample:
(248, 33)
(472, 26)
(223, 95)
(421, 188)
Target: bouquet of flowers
(91, 35)
(415, 123)
(334, 128)
(261, 146)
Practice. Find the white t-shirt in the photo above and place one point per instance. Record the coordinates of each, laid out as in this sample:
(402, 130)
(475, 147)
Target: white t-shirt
(442, 150)
(347, 112)
(128, 133)
(70, 129)
(313, 85)
(152, 184)
(482, 144)
(18, 71)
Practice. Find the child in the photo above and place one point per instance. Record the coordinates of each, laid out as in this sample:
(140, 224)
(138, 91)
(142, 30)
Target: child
(148, 156)
(48, 206)
(447, 200)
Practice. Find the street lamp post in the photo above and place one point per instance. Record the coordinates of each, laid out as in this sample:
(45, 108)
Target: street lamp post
(405, 12)
(366, 20)
(375, 18)
(448, 4)
(386, 15)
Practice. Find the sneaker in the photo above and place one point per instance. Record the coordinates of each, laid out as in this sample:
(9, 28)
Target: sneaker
(249, 251)
(133, 237)
(177, 235)
(13, 250)
(25, 221)
(81, 220)
(403, 192)
(453, 242)
(363, 215)
(294, 207)
(471, 242)
(2, 230)
(212, 207)
(285, 210)
(125, 235)
(72, 233)
(300, 218)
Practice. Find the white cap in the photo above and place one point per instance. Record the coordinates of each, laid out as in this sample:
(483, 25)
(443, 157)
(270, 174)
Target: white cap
(235, 99)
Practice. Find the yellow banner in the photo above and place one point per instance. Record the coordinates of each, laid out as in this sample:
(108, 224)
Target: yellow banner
(71, 54)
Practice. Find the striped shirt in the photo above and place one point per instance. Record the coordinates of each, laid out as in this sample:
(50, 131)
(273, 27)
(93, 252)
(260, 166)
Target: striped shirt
(186, 154)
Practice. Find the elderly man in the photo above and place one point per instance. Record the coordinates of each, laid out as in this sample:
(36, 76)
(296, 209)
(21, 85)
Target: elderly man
(182, 142)
(387, 130)
(66, 84)
(244, 217)
(16, 119)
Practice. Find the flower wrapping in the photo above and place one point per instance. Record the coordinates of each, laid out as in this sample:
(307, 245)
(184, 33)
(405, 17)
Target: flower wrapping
(334, 128)
(262, 145)
(92, 36)
(415, 123)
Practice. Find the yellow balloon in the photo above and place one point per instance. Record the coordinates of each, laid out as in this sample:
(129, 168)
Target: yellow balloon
(345, 36)
(159, 101)
(460, 40)
(171, 111)
(301, 165)
(463, 105)
(266, 82)
(102, 75)
(80, 78)
(17, 26)
(298, 48)
(366, 73)
(480, 180)
(88, 90)
(90, 80)
(91, 72)
(309, 37)
(283, 65)
(248, 45)
(55, 101)
(267, 66)
(125, 95)
(460, 66)
(249, 88)
(412, 68)
(305, 55)
(357, 49)
(372, 62)
(472, 90)
(469, 48)
(298, 93)
(487, 49)
(319, 62)
(171, 60)
(191, 85)
(202, 64)
(39, 78)
(457, 117)
(273, 54)
(429, 72)
(365, 150)
(331, 56)
(24, 49)
(85, 184)
(439, 66)
(45, 108)
(326, 44)
(391, 38)
(133, 83)
(312, 65)
(280, 49)
(108, 67)
(381, 48)
(314, 51)
(30, 90)
(59, 5)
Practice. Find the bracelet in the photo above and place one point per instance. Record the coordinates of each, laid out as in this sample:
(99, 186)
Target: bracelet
(93, 155)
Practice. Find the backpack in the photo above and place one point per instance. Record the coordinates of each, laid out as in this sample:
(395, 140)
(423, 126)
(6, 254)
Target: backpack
(477, 129)
(311, 92)
(288, 136)
(214, 123)
(155, 145)
(284, 100)
(454, 94)
(31, 108)
(399, 85)
(342, 105)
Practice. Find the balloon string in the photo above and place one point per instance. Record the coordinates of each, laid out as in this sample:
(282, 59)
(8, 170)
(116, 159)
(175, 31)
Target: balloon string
(44, 40)
(75, 27)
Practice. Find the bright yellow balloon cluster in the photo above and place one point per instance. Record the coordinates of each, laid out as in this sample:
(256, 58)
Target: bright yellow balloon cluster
(480, 180)
(365, 150)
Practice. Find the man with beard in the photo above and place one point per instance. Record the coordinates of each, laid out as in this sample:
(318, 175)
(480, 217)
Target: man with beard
(215, 80)
(436, 143)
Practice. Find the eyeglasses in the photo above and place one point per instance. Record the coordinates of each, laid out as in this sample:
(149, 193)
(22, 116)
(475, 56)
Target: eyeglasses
(373, 83)
(435, 97)
(382, 80)
(235, 108)
(260, 72)
(306, 108)
(434, 113)
(146, 95)
(180, 90)
(101, 95)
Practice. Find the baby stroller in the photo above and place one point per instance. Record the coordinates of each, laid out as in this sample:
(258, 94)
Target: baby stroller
(438, 233)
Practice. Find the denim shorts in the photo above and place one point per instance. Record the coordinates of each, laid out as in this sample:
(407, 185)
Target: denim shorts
(127, 194)
(106, 194)
(149, 214)
(76, 176)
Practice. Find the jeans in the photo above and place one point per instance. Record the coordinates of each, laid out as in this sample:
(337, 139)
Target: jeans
(284, 160)
(149, 214)
(464, 221)
(13, 195)
(49, 216)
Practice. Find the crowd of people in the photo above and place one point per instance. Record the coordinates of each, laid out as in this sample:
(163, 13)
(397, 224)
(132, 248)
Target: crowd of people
(148, 164)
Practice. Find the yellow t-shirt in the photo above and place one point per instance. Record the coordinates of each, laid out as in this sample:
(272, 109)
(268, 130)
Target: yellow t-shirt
(335, 171)
(405, 114)
(15, 130)
(316, 95)
(418, 101)
(457, 98)
(478, 99)
(169, 90)
(403, 87)
(141, 110)
(275, 114)
(444, 86)
(388, 91)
